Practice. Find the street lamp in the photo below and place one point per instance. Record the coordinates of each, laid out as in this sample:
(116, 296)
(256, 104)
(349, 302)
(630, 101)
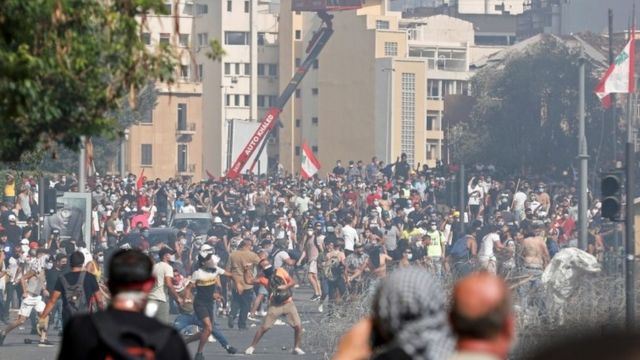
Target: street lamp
(389, 137)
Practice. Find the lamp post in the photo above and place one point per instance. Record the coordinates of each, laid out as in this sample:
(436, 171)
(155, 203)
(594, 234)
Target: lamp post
(389, 137)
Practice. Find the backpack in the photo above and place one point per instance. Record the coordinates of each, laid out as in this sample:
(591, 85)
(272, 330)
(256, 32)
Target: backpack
(112, 336)
(278, 297)
(459, 250)
(552, 247)
(76, 299)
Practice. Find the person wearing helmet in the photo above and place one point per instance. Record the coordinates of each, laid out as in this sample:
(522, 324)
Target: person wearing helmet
(207, 281)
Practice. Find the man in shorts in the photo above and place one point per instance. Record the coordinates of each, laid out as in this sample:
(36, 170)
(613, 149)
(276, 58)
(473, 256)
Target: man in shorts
(33, 283)
(281, 303)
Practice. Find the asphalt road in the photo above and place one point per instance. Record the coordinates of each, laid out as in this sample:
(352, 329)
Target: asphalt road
(276, 344)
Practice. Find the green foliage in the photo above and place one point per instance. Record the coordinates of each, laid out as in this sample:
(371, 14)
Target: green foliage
(66, 65)
(216, 51)
(526, 111)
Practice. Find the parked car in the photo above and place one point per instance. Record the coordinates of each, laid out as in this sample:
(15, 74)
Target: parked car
(199, 223)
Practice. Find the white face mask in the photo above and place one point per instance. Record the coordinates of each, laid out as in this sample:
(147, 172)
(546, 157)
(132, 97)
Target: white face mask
(48, 266)
(309, 232)
(101, 258)
(433, 227)
(183, 241)
(172, 258)
(409, 256)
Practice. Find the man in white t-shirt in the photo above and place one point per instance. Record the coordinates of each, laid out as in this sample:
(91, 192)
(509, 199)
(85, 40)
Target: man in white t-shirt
(188, 208)
(486, 253)
(159, 295)
(350, 236)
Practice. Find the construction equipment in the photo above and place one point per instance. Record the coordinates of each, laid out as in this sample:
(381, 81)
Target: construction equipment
(268, 123)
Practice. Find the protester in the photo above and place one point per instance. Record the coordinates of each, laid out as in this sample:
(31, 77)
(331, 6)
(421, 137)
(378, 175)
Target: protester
(163, 288)
(482, 318)
(123, 329)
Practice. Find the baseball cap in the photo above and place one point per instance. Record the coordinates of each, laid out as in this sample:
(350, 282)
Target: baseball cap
(205, 250)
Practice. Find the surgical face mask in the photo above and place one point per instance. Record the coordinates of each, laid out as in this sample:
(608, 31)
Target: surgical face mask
(410, 256)
(183, 241)
(211, 264)
(100, 258)
(172, 258)
(433, 227)
(48, 266)
(309, 232)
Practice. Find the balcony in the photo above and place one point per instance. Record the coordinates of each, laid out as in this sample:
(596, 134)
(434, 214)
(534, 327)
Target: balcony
(186, 129)
(186, 169)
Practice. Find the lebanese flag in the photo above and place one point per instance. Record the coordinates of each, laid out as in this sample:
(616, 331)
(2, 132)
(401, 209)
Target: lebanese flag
(140, 181)
(309, 164)
(619, 78)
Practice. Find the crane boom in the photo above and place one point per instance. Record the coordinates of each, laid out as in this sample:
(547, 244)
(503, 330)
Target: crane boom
(269, 121)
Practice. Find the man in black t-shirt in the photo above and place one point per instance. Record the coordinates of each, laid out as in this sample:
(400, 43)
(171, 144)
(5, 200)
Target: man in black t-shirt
(90, 286)
(123, 329)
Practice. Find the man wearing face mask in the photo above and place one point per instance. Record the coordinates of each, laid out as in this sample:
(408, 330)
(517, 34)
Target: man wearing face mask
(436, 248)
(53, 271)
(163, 273)
(75, 298)
(123, 329)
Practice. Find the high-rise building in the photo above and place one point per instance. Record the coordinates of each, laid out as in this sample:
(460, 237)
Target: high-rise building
(167, 142)
(240, 87)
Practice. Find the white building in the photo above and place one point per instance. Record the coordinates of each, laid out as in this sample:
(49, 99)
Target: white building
(245, 82)
(490, 7)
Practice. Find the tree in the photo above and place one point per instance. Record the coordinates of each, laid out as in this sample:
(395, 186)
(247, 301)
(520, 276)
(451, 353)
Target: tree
(66, 65)
(526, 111)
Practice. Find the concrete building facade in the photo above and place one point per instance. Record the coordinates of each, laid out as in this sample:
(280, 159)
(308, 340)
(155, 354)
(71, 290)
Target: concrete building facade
(168, 142)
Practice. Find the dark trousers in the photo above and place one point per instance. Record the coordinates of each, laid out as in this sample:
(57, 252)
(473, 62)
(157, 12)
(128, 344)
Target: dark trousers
(4, 307)
(241, 302)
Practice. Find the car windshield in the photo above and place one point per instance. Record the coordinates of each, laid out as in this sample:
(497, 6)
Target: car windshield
(198, 226)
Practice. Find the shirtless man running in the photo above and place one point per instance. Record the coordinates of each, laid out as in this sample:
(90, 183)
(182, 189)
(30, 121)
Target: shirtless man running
(535, 257)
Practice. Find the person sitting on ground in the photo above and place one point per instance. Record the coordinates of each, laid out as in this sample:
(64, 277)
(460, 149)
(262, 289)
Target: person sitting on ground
(482, 318)
(123, 329)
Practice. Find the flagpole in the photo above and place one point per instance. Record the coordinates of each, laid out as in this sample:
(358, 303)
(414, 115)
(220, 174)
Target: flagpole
(630, 246)
(583, 157)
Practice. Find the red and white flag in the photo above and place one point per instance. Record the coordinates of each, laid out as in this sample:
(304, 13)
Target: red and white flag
(619, 78)
(309, 164)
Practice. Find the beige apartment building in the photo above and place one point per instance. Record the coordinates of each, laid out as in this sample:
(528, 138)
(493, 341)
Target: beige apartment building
(365, 97)
(168, 142)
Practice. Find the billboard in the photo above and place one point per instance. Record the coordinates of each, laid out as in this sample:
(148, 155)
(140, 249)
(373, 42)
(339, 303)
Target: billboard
(325, 5)
(72, 218)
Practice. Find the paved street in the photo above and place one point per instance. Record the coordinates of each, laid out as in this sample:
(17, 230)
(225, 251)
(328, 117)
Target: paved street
(276, 344)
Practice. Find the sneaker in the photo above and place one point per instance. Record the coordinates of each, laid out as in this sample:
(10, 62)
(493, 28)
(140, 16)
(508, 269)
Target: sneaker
(45, 343)
(279, 322)
(230, 349)
(315, 298)
(211, 339)
(262, 313)
(249, 350)
(320, 308)
(251, 318)
(199, 356)
(298, 351)
(2, 336)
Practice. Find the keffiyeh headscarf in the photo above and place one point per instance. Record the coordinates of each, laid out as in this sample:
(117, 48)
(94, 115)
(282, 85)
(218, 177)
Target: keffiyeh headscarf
(409, 308)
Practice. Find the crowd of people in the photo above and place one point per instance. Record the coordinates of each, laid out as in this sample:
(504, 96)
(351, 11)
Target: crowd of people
(265, 235)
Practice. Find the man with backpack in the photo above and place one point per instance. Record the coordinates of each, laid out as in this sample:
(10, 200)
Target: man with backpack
(123, 331)
(76, 288)
(462, 256)
(279, 283)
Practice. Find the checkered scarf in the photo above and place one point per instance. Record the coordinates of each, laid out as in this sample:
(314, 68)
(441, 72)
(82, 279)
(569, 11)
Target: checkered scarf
(411, 306)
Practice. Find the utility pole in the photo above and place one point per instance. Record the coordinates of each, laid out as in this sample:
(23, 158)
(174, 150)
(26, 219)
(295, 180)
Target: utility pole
(612, 110)
(583, 156)
(82, 173)
(461, 200)
(629, 218)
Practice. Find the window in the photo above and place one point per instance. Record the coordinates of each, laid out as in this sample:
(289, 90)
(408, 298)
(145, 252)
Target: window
(382, 25)
(227, 100)
(229, 6)
(227, 68)
(298, 122)
(408, 115)
(261, 38)
(236, 100)
(390, 49)
(298, 93)
(261, 101)
(246, 6)
(247, 69)
(185, 72)
(202, 9)
(182, 157)
(314, 91)
(183, 40)
(316, 63)
(298, 62)
(314, 120)
(188, 8)
(297, 150)
(147, 117)
(261, 69)
(247, 100)
(237, 66)
(200, 72)
(432, 150)
(298, 34)
(273, 100)
(164, 38)
(273, 69)
(314, 148)
(203, 39)
(182, 116)
(146, 38)
(433, 90)
(236, 38)
(168, 8)
(431, 120)
(146, 154)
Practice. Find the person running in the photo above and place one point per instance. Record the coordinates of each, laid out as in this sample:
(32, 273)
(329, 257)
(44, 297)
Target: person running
(279, 283)
(207, 279)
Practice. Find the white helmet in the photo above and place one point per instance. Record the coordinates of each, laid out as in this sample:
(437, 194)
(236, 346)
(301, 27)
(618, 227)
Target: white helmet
(205, 250)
